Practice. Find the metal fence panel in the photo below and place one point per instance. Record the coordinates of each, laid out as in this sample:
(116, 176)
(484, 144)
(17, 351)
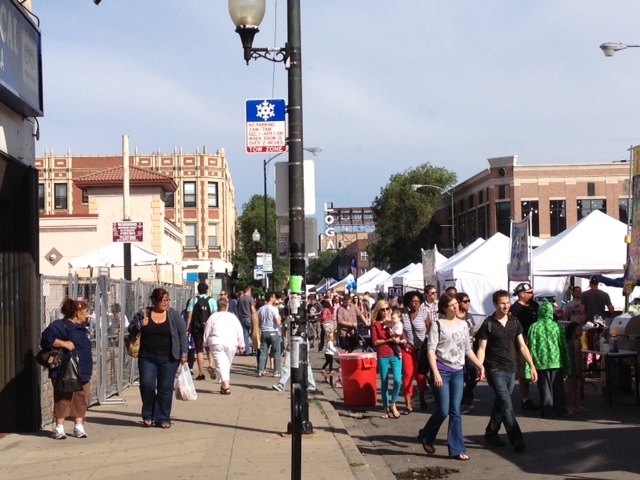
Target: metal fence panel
(112, 305)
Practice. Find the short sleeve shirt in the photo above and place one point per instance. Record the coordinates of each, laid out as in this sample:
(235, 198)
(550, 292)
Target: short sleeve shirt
(213, 305)
(245, 302)
(502, 343)
(268, 315)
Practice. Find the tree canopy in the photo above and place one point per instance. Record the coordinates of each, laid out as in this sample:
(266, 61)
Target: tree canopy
(404, 217)
(325, 265)
(252, 218)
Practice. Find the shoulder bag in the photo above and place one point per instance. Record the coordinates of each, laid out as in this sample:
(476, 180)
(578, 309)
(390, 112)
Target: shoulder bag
(423, 361)
(69, 379)
(132, 342)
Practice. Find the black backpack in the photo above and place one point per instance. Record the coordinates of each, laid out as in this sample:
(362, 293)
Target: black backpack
(200, 314)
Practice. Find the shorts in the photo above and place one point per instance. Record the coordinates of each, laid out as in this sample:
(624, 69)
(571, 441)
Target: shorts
(198, 340)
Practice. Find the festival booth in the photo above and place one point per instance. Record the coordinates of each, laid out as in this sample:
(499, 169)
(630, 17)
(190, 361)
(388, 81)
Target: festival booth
(412, 279)
(112, 256)
(455, 258)
(593, 246)
(371, 284)
(479, 273)
(387, 284)
(343, 284)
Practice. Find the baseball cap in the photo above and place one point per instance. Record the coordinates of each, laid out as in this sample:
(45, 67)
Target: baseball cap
(594, 280)
(522, 287)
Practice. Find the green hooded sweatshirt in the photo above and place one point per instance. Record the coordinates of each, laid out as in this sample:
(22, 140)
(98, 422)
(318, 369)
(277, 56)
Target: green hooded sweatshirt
(547, 342)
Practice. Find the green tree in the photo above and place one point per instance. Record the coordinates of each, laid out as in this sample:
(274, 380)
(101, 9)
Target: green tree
(325, 265)
(404, 217)
(244, 258)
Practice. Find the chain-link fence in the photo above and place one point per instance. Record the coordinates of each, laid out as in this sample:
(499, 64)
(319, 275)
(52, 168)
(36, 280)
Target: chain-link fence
(112, 303)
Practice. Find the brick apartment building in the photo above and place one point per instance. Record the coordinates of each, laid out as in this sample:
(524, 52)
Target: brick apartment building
(202, 208)
(557, 196)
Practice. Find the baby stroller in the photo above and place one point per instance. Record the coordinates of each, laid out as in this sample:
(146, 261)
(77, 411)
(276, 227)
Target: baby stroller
(364, 338)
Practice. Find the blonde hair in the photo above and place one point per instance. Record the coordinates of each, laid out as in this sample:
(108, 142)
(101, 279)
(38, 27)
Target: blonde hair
(330, 336)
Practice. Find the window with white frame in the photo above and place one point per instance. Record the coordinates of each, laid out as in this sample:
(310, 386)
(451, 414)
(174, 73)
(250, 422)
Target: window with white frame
(190, 235)
(213, 194)
(364, 256)
(189, 194)
(213, 235)
(60, 191)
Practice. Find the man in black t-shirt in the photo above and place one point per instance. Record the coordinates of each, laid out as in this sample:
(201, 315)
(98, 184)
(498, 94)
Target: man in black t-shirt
(500, 339)
(526, 311)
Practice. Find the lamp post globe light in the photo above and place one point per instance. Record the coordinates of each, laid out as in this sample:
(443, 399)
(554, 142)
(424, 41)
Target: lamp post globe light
(416, 187)
(247, 15)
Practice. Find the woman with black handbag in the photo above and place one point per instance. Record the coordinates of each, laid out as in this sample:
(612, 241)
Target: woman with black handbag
(163, 347)
(71, 334)
(416, 325)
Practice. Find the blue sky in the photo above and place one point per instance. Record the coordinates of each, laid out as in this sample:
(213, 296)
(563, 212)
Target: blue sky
(387, 85)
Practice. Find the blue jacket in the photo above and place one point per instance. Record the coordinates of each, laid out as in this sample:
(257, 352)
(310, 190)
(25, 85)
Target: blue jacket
(65, 329)
(178, 331)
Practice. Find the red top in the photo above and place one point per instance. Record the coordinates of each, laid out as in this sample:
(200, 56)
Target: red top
(380, 332)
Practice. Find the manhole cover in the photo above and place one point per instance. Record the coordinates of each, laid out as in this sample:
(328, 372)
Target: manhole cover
(425, 473)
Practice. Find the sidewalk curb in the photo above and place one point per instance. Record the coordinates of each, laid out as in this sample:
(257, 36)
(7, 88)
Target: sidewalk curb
(361, 468)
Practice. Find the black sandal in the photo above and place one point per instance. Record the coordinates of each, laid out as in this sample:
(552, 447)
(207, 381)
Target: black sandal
(225, 391)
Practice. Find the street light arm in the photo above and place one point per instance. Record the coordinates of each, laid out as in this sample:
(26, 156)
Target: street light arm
(609, 48)
(415, 188)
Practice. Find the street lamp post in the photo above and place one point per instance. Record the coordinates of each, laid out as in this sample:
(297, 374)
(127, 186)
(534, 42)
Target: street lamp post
(609, 49)
(247, 15)
(315, 151)
(415, 187)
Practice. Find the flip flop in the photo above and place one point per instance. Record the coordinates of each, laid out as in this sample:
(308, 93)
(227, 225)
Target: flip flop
(406, 411)
(396, 414)
(463, 457)
(147, 423)
(429, 448)
(385, 416)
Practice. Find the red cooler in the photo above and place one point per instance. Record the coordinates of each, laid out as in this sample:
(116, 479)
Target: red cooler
(359, 382)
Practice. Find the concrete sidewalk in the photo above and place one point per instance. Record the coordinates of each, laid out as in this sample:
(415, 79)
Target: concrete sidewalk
(241, 435)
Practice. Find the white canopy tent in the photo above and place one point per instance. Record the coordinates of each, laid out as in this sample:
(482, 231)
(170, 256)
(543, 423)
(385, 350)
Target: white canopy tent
(112, 255)
(593, 246)
(412, 279)
(388, 282)
(341, 285)
(482, 271)
(371, 284)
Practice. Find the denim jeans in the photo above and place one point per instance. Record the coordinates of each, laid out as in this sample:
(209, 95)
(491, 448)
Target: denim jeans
(470, 381)
(448, 399)
(393, 364)
(157, 376)
(270, 339)
(286, 373)
(502, 384)
(246, 331)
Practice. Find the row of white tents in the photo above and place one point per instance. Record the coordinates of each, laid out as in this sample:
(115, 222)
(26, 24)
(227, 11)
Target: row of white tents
(593, 246)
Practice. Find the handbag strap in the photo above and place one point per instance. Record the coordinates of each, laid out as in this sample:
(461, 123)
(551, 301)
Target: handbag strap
(417, 343)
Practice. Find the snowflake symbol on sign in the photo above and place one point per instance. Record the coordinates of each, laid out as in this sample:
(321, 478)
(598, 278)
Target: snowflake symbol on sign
(265, 110)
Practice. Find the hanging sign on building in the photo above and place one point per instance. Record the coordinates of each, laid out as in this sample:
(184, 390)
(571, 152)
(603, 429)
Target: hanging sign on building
(127, 232)
(266, 129)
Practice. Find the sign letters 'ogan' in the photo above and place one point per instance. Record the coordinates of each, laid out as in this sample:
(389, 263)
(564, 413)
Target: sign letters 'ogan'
(329, 231)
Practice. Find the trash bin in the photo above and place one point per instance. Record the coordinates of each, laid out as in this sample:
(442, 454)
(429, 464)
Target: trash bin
(359, 382)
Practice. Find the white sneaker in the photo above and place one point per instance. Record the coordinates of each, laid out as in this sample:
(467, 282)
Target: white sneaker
(58, 433)
(277, 387)
(78, 431)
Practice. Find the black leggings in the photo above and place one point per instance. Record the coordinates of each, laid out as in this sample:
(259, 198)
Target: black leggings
(328, 362)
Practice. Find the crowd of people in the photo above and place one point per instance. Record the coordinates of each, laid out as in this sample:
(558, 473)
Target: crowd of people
(420, 338)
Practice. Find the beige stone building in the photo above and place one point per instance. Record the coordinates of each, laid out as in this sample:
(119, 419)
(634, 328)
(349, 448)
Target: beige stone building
(186, 201)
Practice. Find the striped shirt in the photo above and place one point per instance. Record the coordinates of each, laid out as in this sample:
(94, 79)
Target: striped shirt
(419, 325)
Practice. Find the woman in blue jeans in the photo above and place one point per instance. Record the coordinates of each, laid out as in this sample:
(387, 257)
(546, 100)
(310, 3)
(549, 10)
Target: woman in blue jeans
(163, 346)
(447, 346)
(388, 358)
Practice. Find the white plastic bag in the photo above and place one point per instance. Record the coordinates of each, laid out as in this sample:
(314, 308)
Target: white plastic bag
(184, 387)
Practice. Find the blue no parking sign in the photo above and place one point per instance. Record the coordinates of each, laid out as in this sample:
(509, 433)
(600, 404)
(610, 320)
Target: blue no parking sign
(266, 128)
